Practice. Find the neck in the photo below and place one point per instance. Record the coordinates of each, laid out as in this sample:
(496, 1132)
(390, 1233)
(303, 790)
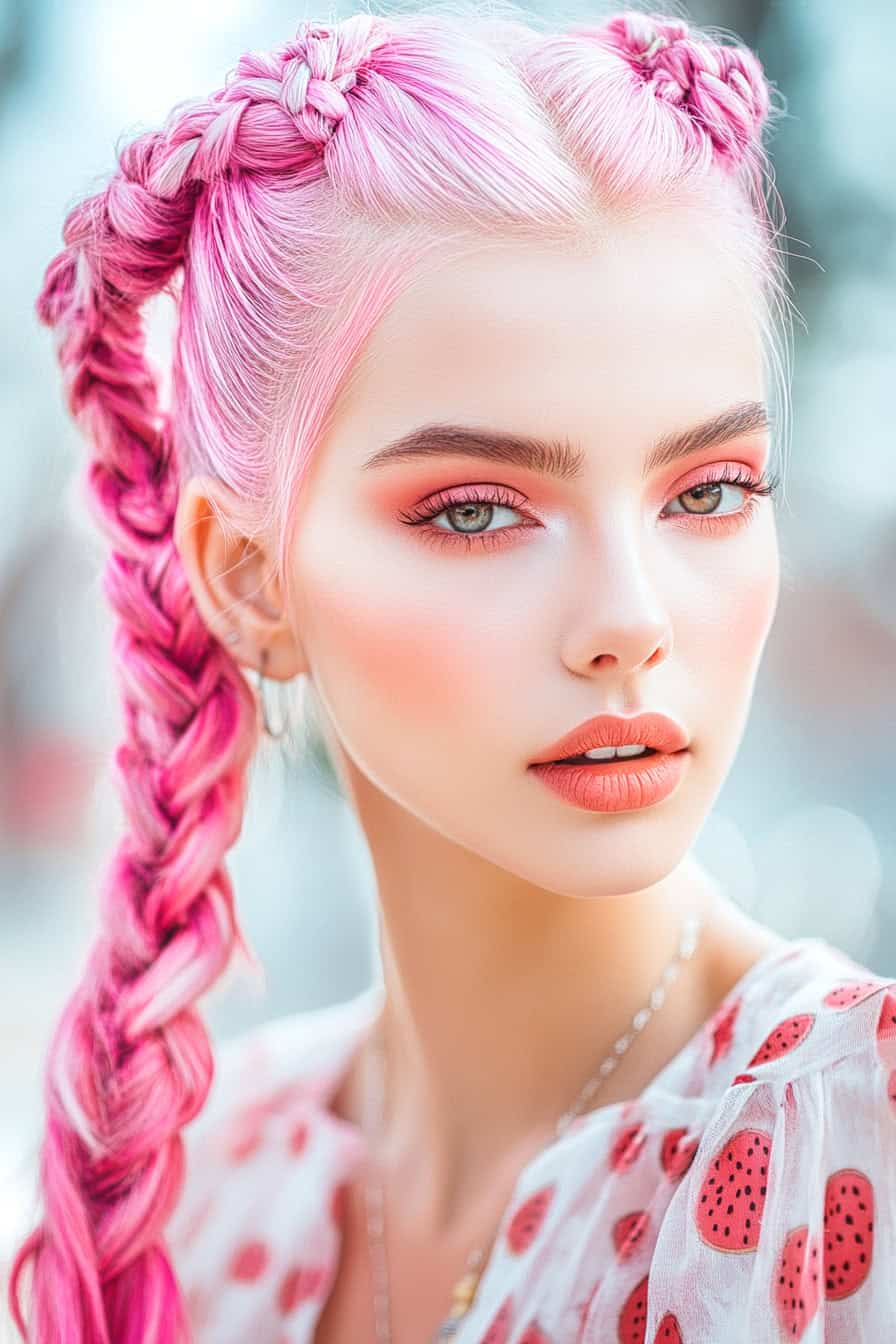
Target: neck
(496, 1013)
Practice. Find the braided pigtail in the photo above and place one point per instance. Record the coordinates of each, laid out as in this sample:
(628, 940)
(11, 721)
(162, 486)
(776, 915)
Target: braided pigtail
(130, 1062)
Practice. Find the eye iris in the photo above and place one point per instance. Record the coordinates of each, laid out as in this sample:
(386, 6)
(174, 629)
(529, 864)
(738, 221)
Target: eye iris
(700, 493)
(475, 508)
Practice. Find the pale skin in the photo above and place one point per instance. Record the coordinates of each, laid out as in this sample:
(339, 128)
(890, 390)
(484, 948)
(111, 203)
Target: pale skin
(519, 934)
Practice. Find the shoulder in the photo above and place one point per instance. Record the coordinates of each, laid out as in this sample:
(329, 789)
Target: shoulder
(812, 1006)
(263, 1163)
(789, 1206)
(287, 1059)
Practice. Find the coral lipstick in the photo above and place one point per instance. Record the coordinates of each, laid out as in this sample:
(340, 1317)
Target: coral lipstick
(616, 786)
(624, 783)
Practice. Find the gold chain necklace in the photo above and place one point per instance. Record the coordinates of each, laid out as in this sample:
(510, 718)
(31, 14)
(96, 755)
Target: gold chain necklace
(464, 1291)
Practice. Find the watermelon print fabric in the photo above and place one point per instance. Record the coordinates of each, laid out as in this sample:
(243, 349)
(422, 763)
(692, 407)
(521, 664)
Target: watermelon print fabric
(748, 1194)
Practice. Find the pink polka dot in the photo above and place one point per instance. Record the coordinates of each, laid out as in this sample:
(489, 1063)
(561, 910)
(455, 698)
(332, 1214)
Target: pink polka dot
(249, 1262)
(299, 1284)
(533, 1334)
(499, 1329)
(298, 1138)
(244, 1139)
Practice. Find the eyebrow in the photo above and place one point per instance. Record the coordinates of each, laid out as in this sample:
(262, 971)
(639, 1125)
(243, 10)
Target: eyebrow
(558, 457)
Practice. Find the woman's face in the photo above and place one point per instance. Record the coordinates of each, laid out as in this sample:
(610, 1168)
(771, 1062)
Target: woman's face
(448, 654)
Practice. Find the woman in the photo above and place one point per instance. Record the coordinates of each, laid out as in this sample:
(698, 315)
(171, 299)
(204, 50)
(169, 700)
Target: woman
(469, 430)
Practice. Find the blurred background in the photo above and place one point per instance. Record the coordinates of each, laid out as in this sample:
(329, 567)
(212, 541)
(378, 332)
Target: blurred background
(803, 833)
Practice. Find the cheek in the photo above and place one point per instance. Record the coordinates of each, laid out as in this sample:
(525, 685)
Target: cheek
(757, 609)
(397, 654)
(748, 608)
(757, 606)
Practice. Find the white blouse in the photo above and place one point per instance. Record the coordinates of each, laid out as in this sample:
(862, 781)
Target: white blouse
(747, 1195)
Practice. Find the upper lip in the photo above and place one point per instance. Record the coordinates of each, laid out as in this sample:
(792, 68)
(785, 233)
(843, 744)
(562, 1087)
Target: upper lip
(609, 730)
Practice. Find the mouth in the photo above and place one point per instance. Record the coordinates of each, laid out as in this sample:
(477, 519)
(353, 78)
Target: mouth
(608, 760)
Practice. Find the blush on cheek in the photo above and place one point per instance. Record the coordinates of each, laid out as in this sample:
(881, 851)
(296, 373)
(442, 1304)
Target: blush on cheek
(400, 659)
(752, 618)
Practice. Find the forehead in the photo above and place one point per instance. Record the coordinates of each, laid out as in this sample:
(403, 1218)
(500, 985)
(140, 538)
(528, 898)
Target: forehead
(652, 323)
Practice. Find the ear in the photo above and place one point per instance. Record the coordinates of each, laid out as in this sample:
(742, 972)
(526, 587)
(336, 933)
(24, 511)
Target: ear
(233, 579)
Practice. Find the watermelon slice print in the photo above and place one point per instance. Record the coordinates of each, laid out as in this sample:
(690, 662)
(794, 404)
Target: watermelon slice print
(533, 1334)
(797, 1282)
(676, 1155)
(732, 1194)
(783, 1038)
(632, 1325)
(627, 1146)
(628, 1233)
(721, 1028)
(499, 1330)
(668, 1331)
(848, 1232)
(527, 1221)
(854, 992)
(885, 1034)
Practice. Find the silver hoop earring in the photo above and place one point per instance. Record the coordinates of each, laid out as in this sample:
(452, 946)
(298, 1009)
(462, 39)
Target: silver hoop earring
(262, 693)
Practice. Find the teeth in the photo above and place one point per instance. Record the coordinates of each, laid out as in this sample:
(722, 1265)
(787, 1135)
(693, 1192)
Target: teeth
(610, 753)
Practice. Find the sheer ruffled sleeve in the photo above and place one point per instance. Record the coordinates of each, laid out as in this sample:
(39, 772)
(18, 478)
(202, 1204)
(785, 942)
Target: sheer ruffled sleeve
(784, 1227)
(253, 1236)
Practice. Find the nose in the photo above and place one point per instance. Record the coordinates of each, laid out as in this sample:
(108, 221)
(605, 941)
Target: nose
(618, 619)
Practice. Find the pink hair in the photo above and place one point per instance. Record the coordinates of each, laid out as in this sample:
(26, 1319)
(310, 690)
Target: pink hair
(293, 205)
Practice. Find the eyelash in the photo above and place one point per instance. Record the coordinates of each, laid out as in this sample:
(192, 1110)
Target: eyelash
(498, 494)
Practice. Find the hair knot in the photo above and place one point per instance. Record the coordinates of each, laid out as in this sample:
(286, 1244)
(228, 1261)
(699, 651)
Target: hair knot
(301, 88)
(721, 89)
(316, 74)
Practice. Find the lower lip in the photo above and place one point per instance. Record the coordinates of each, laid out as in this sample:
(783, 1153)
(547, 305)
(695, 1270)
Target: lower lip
(617, 786)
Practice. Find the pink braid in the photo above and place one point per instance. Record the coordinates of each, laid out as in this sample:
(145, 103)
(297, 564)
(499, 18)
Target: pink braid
(130, 1063)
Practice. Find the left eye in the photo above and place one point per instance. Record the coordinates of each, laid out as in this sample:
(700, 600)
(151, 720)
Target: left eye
(707, 494)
